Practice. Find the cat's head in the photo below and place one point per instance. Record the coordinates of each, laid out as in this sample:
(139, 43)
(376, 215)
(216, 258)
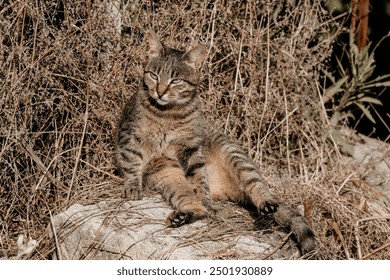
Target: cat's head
(172, 76)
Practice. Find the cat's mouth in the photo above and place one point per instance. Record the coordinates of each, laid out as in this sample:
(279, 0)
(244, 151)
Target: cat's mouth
(160, 104)
(161, 100)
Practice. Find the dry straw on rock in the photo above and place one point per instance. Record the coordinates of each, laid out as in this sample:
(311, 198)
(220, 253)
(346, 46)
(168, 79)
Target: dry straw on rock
(65, 73)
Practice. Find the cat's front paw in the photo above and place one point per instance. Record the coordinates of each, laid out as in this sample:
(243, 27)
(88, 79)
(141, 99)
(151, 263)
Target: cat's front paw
(178, 218)
(132, 194)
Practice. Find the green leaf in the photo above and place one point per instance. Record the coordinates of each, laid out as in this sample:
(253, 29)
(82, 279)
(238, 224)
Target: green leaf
(366, 73)
(335, 88)
(366, 112)
(354, 60)
(369, 99)
(380, 84)
(379, 78)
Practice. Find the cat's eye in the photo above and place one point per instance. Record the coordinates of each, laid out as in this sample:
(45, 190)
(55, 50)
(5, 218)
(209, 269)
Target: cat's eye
(153, 76)
(176, 81)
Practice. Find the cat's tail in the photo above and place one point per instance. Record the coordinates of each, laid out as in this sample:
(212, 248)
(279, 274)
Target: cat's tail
(292, 221)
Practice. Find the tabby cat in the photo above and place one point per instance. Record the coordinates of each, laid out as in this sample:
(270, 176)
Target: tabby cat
(163, 143)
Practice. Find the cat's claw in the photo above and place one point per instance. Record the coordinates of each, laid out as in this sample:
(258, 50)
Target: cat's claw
(132, 194)
(269, 208)
(178, 218)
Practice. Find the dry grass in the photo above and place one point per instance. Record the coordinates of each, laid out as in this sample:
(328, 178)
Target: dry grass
(62, 86)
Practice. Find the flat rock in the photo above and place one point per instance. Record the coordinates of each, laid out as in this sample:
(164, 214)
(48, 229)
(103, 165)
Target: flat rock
(371, 158)
(136, 230)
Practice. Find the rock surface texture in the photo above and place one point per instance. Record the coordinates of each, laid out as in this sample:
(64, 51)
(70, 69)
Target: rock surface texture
(137, 230)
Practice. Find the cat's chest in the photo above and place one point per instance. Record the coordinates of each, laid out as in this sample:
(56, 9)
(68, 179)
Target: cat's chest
(158, 135)
(160, 131)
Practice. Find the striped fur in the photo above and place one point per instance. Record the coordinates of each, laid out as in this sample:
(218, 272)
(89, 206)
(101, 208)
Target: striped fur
(164, 143)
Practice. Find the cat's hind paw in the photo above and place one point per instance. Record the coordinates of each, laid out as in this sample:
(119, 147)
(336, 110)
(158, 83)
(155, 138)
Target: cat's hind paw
(178, 218)
(268, 208)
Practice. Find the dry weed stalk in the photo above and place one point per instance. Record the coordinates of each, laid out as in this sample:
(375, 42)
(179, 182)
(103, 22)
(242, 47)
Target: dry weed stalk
(65, 72)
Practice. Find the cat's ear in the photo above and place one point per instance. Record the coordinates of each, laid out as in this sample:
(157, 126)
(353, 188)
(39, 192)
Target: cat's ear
(155, 46)
(196, 56)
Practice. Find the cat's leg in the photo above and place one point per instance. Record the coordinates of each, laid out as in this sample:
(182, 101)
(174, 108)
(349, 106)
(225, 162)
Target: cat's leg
(192, 161)
(167, 176)
(233, 176)
(250, 181)
(130, 158)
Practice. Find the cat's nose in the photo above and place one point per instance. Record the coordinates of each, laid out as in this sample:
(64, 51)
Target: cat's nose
(161, 89)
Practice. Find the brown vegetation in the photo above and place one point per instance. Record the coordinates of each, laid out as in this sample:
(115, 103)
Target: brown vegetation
(64, 77)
